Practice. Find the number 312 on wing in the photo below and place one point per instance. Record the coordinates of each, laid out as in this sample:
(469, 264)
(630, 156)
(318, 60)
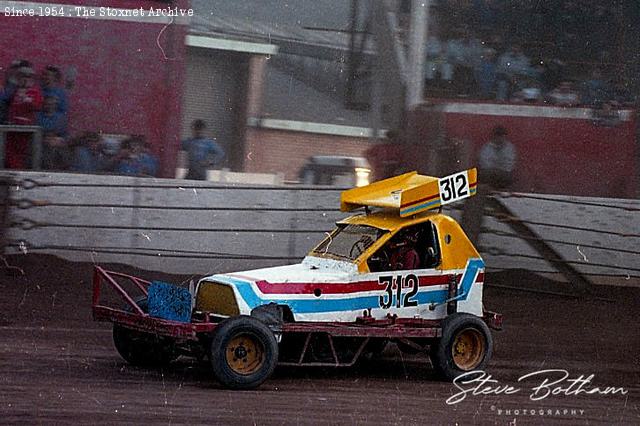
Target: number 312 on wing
(454, 187)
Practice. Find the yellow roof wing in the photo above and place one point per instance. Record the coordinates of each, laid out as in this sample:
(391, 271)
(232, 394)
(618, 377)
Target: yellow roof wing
(412, 193)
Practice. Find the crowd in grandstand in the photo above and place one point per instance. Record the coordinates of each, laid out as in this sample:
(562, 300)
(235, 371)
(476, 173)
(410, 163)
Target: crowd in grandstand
(27, 100)
(555, 52)
(94, 154)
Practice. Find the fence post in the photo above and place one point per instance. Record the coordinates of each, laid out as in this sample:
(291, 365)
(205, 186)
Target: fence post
(580, 282)
(5, 198)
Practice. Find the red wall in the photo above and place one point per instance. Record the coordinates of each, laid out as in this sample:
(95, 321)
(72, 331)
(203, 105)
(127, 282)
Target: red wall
(556, 154)
(124, 83)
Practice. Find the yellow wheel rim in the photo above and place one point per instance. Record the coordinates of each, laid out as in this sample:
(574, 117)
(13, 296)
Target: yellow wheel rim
(245, 354)
(468, 349)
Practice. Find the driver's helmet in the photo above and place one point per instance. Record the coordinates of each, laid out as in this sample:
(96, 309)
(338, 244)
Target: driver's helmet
(407, 237)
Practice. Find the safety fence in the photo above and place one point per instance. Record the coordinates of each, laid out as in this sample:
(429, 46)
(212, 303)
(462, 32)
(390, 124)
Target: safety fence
(192, 227)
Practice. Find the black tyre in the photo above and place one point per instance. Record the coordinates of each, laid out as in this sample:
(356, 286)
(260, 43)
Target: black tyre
(244, 352)
(466, 345)
(143, 349)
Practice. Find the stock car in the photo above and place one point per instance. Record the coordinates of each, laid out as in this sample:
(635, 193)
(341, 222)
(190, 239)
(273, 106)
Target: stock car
(344, 299)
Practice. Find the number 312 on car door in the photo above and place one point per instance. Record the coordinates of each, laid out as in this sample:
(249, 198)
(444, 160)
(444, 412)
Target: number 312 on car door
(406, 287)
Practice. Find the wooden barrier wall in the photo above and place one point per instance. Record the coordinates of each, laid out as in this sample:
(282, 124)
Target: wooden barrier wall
(189, 227)
(169, 225)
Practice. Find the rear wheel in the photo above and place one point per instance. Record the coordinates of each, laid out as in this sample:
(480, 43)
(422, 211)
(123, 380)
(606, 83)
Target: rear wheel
(466, 345)
(143, 349)
(244, 352)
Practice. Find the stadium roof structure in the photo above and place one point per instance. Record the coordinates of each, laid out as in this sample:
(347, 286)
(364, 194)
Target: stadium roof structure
(313, 29)
(319, 42)
(282, 90)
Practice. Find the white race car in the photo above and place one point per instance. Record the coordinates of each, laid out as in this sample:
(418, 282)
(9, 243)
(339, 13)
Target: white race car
(405, 273)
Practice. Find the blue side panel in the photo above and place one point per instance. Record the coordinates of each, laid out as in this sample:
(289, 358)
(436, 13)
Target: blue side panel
(305, 306)
(474, 266)
(169, 302)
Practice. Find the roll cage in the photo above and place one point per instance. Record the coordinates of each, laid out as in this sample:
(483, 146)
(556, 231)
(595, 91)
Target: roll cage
(368, 245)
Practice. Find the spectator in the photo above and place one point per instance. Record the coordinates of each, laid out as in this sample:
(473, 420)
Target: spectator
(530, 94)
(595, 91)
(437, 65)
(464, 53)
(530, 90)
(51, 87)
(456, 48)
(497, 160)
(513, 65)
(201, 151)
(54, 129)
(486, 74)
(552, 73)
(135, 159)
(9, 88)
(496, 42)
(89, 155)
(384, 156)
(51, 119)
(605, 114)
(564, 95)
(26, 100)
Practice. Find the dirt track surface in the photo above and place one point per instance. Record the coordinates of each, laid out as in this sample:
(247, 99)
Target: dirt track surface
(58, 366)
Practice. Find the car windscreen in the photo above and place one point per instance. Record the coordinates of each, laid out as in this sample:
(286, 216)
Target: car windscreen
(349, 241)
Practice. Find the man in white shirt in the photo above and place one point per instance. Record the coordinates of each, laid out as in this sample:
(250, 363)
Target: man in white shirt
(437, 62)
(497, 160)
(496, 163)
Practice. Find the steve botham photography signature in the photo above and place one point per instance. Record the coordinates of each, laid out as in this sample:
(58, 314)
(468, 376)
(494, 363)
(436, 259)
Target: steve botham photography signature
(546, 383)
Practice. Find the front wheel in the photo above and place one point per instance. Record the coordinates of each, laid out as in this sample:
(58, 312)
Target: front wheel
(244, 352)
(466, 345)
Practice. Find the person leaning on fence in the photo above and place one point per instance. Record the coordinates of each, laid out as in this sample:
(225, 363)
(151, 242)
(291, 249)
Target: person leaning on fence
(203, 152)
(51, 77)
(25, 102)
(54, 129)
(496, 163)
(89, 155)
(135, 158)
(9, 88)
(497, 160)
